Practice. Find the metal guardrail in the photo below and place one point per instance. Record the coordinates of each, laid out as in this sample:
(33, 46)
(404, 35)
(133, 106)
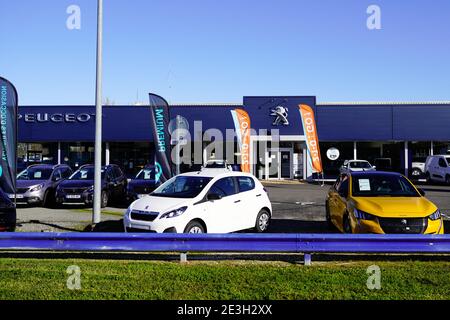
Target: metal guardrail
(252, 243)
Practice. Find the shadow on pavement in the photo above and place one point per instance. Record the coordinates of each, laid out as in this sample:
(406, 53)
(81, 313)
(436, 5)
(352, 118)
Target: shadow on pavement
(298, 226)
(106, 226)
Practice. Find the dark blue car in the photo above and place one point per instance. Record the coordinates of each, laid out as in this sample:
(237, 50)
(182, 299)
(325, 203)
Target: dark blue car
(7, 213)
(142, 184)
(79, 188)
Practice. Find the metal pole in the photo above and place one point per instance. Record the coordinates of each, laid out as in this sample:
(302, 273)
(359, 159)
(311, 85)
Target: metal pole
(96, 212)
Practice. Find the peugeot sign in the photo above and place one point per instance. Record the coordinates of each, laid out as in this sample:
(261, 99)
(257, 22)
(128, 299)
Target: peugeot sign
(56, 117)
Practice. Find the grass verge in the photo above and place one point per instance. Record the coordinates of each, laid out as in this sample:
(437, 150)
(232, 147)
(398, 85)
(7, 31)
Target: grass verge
(124, 279)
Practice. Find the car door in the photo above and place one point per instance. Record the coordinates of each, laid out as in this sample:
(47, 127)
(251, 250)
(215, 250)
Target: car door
(340, 201)
(248, 203)
(333, 198)
(119, 182)
(221, 214)
(441, 169)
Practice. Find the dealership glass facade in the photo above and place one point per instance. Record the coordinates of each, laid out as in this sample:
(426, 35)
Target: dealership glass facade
(391, 136)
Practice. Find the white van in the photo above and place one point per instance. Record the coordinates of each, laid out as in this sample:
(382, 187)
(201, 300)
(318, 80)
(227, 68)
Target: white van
(437, 168)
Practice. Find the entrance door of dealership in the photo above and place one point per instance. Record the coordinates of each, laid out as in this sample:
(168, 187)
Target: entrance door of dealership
(279, 163)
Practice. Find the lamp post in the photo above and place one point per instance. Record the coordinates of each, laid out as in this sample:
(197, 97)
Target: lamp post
(96, 210)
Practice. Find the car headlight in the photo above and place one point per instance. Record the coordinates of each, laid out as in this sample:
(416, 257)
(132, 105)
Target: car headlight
(37, 187)
(435, 216)
(90, 189)
(174, 213)
(128, 212)
(359, 214)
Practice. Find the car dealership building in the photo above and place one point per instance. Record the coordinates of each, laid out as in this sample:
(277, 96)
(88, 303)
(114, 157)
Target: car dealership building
(394, 136)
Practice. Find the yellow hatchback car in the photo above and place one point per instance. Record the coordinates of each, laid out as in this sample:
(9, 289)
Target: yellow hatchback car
(381, 202)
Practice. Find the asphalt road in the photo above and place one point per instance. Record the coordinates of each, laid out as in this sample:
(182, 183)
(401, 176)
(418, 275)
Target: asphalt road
(298, 208)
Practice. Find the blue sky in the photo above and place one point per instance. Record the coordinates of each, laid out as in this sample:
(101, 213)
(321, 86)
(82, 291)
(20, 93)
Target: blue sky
(220, 51)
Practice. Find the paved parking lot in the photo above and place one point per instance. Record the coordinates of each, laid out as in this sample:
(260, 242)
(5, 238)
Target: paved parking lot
(296, 208)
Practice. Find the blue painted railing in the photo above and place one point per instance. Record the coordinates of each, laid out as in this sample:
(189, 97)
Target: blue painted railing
(295, 243)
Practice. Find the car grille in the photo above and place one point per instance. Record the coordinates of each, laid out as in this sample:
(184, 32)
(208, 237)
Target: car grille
(406, 225)
(143, 190)
(22, 190)
(143, 216)
(74, 190)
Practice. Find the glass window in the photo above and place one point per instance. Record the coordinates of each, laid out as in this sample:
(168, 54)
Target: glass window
(86, 173)
(146, 174)
(246, 184)
(442, 163)
(343, 186)
(66, 172)
(378, 185)
(360, 165)
(224, 187)
(182, 187)
(117, 172)
(35, 173)
(57, 175)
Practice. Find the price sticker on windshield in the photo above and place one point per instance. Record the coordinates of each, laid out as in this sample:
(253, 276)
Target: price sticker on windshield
(364, 184)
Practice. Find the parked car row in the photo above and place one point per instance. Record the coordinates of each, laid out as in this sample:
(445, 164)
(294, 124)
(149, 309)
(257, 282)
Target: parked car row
(49, 185)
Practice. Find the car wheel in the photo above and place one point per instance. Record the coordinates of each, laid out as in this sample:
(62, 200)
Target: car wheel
(105, 199)
(346, 224)
(194, 227)
(447, 179)
(262, 221)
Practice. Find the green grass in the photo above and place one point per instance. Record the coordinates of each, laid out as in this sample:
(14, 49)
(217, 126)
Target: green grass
(119, 279)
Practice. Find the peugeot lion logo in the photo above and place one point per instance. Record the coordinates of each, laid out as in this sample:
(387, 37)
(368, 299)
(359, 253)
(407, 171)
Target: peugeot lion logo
(281, 116)
(404, 222)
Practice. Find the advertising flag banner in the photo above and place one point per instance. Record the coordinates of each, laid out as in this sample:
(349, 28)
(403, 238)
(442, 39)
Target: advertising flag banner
(312, 140)
(241, 121)
(160, 119)
(8, 136)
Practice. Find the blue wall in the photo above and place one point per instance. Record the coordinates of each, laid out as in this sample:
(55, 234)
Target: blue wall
(335, 122)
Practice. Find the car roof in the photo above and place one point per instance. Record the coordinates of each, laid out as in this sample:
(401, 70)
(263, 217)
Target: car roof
(213, 173)
(47, 166)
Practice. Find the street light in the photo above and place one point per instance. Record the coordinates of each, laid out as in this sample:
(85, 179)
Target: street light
(96, 209)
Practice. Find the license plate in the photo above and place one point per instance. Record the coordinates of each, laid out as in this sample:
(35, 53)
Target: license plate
(73, 196)
(17, 196)
(141, 196)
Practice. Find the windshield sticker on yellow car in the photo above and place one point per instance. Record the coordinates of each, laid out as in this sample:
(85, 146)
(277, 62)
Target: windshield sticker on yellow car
(364, 184)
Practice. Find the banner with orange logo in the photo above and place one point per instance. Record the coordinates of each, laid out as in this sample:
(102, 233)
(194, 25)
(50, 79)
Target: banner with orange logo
(241, 121)
(312, 140)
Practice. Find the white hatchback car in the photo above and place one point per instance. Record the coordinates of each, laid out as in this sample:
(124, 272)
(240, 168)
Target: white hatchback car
(212, 201)
(356, 165)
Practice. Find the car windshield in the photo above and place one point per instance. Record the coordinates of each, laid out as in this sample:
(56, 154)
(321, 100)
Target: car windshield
(215, 165)
(360, 165)
(85, 174)
(182, 187)
(146, 174)
(35, 174)
(382, 186)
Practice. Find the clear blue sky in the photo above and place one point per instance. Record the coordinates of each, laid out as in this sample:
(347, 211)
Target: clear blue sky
(220, 51)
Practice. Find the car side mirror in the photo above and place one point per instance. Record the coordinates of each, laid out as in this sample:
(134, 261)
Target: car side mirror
(213, 196)
(374, 167)
(56, 179)
(421, 191)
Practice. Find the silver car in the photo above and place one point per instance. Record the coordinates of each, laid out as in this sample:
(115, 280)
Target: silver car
(36, 185)
(356, 165)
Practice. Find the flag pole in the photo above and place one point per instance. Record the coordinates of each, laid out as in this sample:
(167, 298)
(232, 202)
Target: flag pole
(96, 210)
